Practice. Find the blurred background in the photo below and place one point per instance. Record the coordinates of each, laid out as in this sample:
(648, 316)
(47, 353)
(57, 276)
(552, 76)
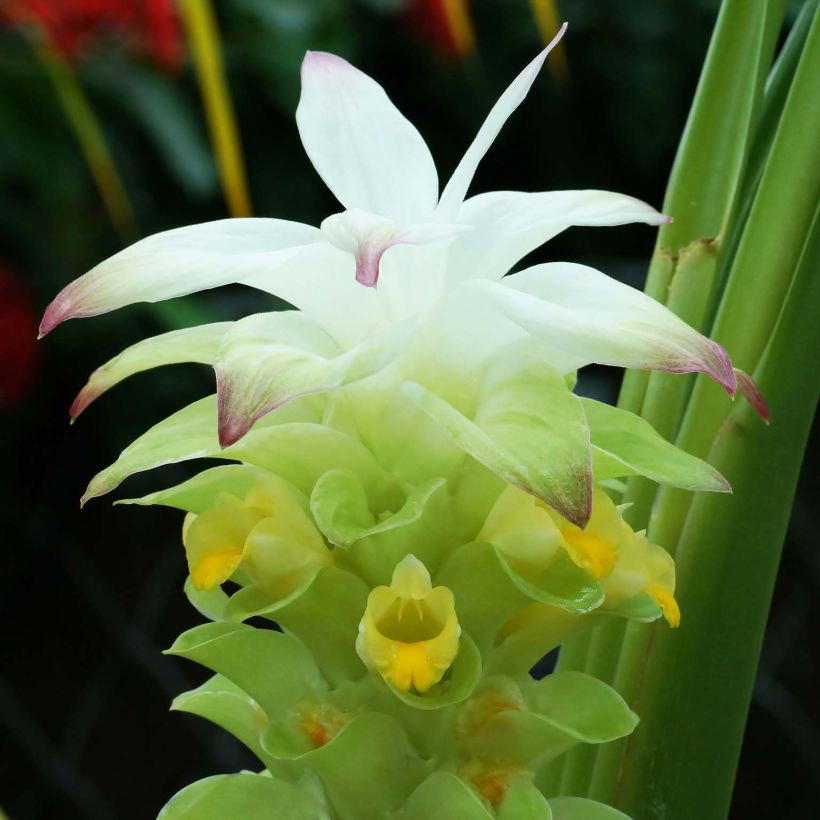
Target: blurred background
(106, 108)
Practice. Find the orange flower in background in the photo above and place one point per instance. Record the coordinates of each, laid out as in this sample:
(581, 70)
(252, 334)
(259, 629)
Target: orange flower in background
(18, 348)
(75, 26)
(445, 24)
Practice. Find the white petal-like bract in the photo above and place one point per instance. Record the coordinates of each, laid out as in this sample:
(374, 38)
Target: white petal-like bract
(601, 320)
(456, 188)
(507, 225)
(179, 262)
(362, 146)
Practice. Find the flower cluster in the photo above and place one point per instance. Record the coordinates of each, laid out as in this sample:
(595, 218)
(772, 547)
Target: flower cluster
(421, 505)
(446, 25)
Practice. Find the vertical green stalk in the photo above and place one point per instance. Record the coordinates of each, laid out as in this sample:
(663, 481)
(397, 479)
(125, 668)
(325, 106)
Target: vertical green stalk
(702, 266)
(88, 132)
(203, 34)
(700, 197)
(710, 158)
(770, 246)
(763, 266)
(698, 682)
(777, 88)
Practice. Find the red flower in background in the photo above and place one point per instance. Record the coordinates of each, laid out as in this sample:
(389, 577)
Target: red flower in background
(446, 24)
(18, 345)
(74, 26)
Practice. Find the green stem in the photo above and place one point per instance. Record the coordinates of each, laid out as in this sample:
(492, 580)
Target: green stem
(698, 682)
(691, 279)
(203, 34)
(671, 506)
(710, 158)
(766, 257)
(776, 91)
(694, 278)
(700, 195)
(600, 662)
(88, 132)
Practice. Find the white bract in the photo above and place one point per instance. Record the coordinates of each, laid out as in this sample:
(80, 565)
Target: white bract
(403, 281)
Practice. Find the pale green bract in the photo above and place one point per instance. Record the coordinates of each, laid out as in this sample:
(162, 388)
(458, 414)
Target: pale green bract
(416, 503)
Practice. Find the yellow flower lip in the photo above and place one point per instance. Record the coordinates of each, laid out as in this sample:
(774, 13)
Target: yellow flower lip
(591, 553)
(215, 540)
(595, 548)
(666, 601)
(267, 534)
(409, 632)
(215, 568)
(624, 561)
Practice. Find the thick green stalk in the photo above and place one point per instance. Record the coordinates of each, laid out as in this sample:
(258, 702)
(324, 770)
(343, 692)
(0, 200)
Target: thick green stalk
(770, 282)
(700, 196)
(690, 294)
(698, 682)
(766, 257)
(708, 164)
(702, 266)
(776, 90)
(203, 35)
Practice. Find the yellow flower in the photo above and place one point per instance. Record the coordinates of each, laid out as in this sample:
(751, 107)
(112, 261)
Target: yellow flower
(268, 535)
(623, 561)
(520, 526)
(215, 540)
(409, 633)
(595, 547)
(646, 568)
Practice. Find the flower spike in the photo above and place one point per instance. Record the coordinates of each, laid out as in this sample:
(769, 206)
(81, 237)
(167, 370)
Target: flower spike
(420, 504)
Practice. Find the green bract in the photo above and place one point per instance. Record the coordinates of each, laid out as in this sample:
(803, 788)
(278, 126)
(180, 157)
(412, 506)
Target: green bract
(417, 509)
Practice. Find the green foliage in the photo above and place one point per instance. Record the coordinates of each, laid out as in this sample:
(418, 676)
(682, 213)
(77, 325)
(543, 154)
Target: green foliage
(243, 795)
(743, 287)
(579, 808)
(303, 701)
(525, 419)
(641, 451)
